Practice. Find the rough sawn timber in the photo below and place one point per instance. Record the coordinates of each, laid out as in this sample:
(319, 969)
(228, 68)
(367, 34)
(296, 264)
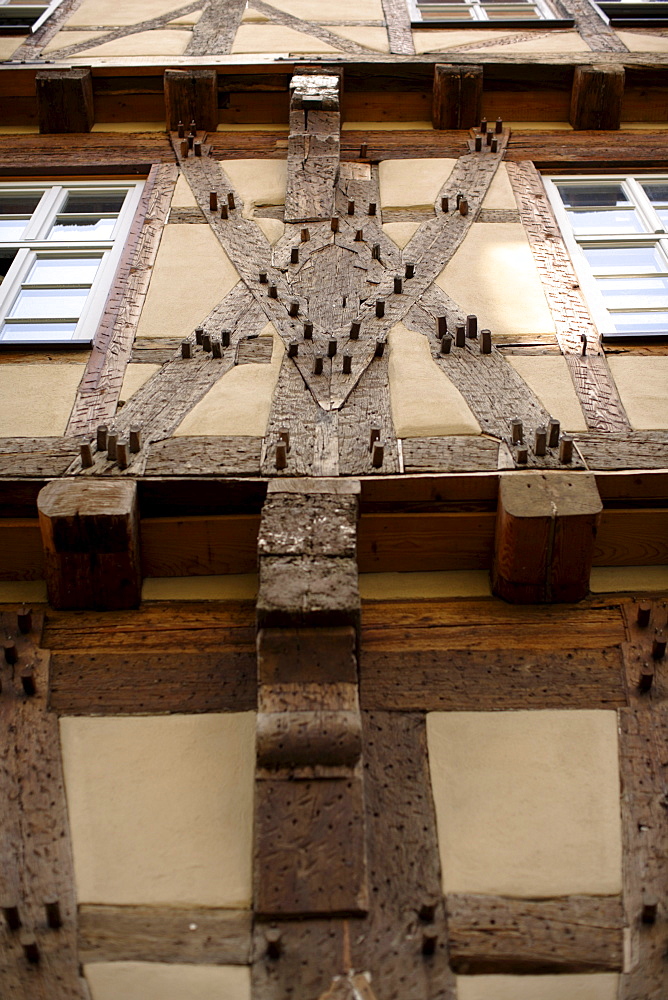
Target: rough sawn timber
(214, 32)
(398, 27)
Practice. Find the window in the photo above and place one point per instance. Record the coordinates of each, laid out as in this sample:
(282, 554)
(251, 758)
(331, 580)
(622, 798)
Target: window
(18, 17)
(425, 12)
(616, 229)
(635, 13)
(59, 248)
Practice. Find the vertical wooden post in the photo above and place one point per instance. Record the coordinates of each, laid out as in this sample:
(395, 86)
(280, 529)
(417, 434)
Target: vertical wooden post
(65, 100)
(596, 97)
(457, 96)
(191, 95)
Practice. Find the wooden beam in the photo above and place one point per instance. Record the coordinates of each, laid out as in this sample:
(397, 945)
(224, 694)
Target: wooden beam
(493, 935)
(457, 96)
(90, 534)
(191, 95)
(596, 97)
(313, 147)
(545, 535)
(65, 100)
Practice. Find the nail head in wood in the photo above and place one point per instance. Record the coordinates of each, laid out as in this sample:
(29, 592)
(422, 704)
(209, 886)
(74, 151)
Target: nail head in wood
(332, 346)
(12, 917)
(644, 614)
(355, 328)
(193, 126)
(375, 251)
(281, 455)
(471, 327)
(373, 208)
(28, 682)
(566, 449)
(101, 437)
(24, 620)
(184, 149)
(347, 363)
(377, 455)
(317, 364)
(135, 439)
(225, 338)
(308, 330)
(294, 309)
(190, 139)
(263, 277)
(583, 341)
(659, 645)
(463, 207)
(427, 911)
(410, 270)
(86, 453)
(122, 454)
(517, 430)
(494, 146)
(186, 349)
(540, 445)
(351, 206)
(363, 151)
(213, 201)
(380, 348)
(460, 336)
(294, 255)
(293, 349)
(334, 224)
(359, 236)
(373, 437)
(112, 440)
(230, 199)
(181, 130)
(478, 143)
(446, 344)
(646, 677)
(380, 308)
(489, 138)
(522, 454)
(53, 917)
(273, 292)
(10, 650)
(398, 284)
(485, 341)
(553, 429)
(274, 940)
(284, 436)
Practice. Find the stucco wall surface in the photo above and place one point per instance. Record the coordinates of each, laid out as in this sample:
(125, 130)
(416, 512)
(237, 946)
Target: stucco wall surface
(329, 11)
(257, 182)
(161, 808)
(36, 400)
(413, 183)
(120, 12)
(156, 981)
(642, 383)
(527, 802)
(601, 986)
(550, 379)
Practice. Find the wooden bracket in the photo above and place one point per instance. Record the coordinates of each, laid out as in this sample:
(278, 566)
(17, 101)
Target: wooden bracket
(191, 95)
(596, 97)
(65, 100)
(457, 96)
(545, 532)
(90, 535)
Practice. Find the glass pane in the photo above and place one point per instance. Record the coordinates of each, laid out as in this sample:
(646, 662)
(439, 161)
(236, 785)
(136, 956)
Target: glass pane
(620, 260)
(12, 230)
(19, 204)
(663, 215)
(603, 195)
(634, 293)
(641, 322)
(589, 223)
(498, 13)
(63, 271)
(95, 203)
(35, 303)
(656, 191)
(68, 229)
(25, 332)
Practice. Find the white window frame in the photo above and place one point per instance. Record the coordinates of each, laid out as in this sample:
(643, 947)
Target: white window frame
(477, 12)
(34, 245)
(40, 11)
(656, 235)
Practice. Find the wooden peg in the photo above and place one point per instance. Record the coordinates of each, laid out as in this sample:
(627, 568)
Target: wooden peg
(446, 344)
(274, 940)
(206, 342)
(644, 614)
(359, 236)
(306, 236)
(378, 455)
(186, 349)
(659, 645)
(197, 148)
(498, 127)
(273, 292)
(540, 445)
(24, 620)
(485, 341)
(317, 364)
(427, 911)
(230, 199)
(566, 449)
(53, 917)
(122, 453)
(649, 910)
(583, 341)
(199, 333)
(225, 338)
(190, 139)
(460, 336)
(10, 650)
(284, 436)
(351, 206)
(478, 143)
(463, 207)
(101, 437)
(517, 430)
(111, 446)
(12, 917)
(458, 198)
(135, 439)
(494, 146)
(398, 284)
(184, 149)
(281, 455)
(489, 138)
(193, 126)
(347, 363)
(30, 949)
(553, 429)
(483, 125)
(308, 330)
(86, 453)
(522, 454)
(332, 346)
(363, 150)
(471, 327)
(380, 308)
(262, 277)
(294, 255)
(224, 214)
(410, 270)
(213, 201)
(294, 308)
(181, 130)
(375, 251)
(355, 328)
(334, 224)
(373, 437)
(216, 349)
(372, 208)
(28, 682)
(429, 940)
(293, 349)
(646, 677)
(442, 325)
(380, 349)
(444, 204)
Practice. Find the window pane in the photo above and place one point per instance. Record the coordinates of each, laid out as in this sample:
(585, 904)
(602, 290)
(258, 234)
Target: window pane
(63, 271)
(95, 203)
(11, 230)
(68, 229)
(589, 223)
(19, 204)
(603, 195)
(663, 215)
(619, 260)
(656, 191)
(634, 293)
(510, 13)
(640, 322)
(26, 332)
(34, 303)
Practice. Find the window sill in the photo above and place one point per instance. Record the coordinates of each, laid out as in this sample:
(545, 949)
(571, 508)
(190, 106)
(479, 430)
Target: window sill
(538, 24)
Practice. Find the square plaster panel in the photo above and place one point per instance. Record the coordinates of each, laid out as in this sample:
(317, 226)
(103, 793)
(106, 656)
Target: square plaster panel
(192, 274)
(157, 981)
(277, 38)
(493, 275)
(259, 183)
(328, 11)
(527, 802)
(600, 986)
(550, 378)
(370, 37)
(36, 400)
(8, 46)
(413, 183)
(118, 12)
(648, 42)
(161, 808)
(642, 383)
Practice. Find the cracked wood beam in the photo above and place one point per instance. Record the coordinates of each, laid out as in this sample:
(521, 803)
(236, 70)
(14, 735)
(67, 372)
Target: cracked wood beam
(191, 95)
(596, 97)
(398, 27)
(314, 147)
(457, 96)
(214, 32)
(65, 100)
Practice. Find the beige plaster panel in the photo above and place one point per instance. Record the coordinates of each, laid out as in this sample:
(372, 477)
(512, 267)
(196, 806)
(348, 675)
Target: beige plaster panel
(452, 583)
(251, 16)
(401, 233)
(494, 276)
(23, 591)
(620, 579)
(541, 126)
(500, 193)
(328, 11)
(128, 127)
(555, 41)
(119, 12)
(191, 275)
(183, 196)
(9, 44)
(156, 981)
(387, 127)
(188, 19)
(273, 229)
(36, 400)
(252, 127)
(161, 808)
(257, 182)
(236, 587)
(424, 401)
(643, 43)
(644, 126)
(64, 38)
(413, 183)
(371, 38)
(19, 129)
(527, 802)
(160, 42)
(134, 378)
(239, 402)
(600, 986)
(643, 386)
(433, 40)
(550, 379)
(276, 38)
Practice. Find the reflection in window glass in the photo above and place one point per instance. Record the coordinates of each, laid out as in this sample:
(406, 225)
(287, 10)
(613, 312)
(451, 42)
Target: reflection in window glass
(656, 191)
(67, 229)
(634, 293)
(641, 322)
(29, 332)
(38, 303)
(95, 203)
(617, 260)
(592, 195)
(591, 223)
(63, 271)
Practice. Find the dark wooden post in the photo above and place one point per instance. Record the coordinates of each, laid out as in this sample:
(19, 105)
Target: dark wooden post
(457, 96)
(65, 100)
(191, 95)
(596, 97)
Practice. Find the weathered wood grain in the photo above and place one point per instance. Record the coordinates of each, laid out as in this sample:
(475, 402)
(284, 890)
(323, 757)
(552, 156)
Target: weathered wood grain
(492, 935)
(191, 95)
(84, 154)
(450, 454)
(457, 96)
(598, 394)
(313, 147)
(596, 97)
(596, 32)
(208, 545)
(632, 537)
(367, 408)
(214, 32)
(44, 456)
(192, 936)
(633, 450)
(310, 28)
(65, 100)
(398, 27)
(205, 456)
